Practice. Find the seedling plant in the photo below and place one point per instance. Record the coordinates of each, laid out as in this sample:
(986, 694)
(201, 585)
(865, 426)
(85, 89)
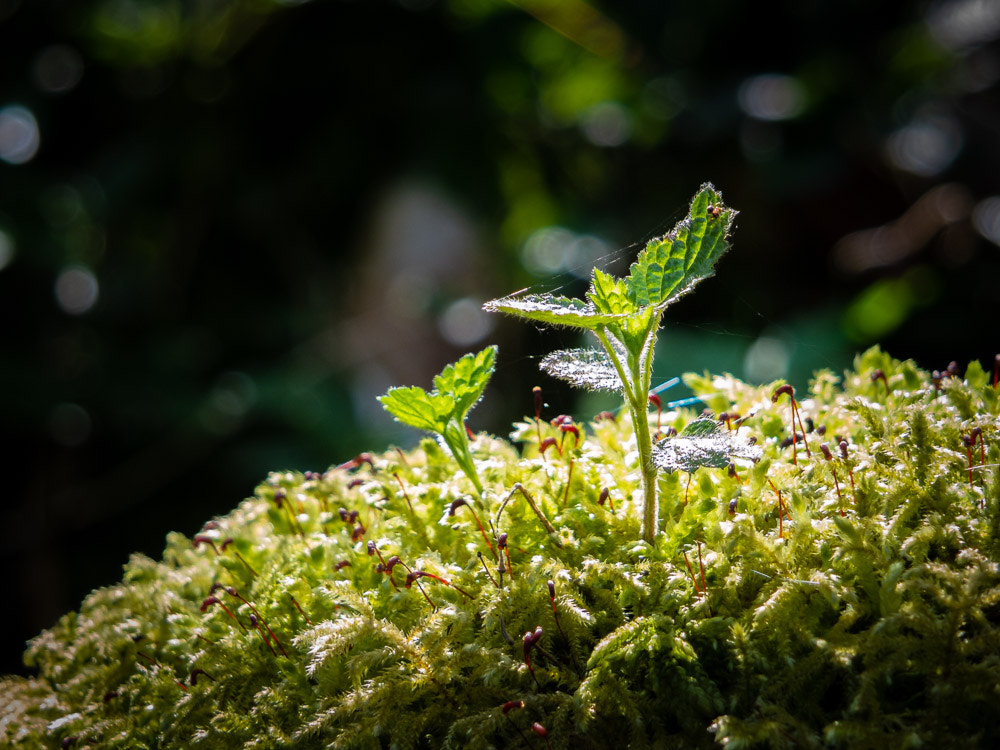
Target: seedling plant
(443, 411)
(780, 570)
(624, 315)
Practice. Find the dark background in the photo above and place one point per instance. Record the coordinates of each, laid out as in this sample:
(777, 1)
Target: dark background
(227, 225)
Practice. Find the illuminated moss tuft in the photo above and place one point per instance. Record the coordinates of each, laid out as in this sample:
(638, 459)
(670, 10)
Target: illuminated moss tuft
(868, 618)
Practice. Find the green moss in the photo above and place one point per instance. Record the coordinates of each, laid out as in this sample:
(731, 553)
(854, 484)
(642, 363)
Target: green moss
(868, 618)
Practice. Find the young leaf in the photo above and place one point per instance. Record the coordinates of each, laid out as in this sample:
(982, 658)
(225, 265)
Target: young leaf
(703, 443)
(610, 295)
(418, 408)
(457, 389)
(671, 266)
(443, 410)
(586, 368)
(700, 428)
(466, 380)
(545, 308)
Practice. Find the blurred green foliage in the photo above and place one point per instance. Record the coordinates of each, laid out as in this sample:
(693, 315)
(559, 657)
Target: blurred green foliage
(225, 226)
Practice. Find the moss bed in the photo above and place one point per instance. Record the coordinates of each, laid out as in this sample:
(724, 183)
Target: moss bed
(848, 596)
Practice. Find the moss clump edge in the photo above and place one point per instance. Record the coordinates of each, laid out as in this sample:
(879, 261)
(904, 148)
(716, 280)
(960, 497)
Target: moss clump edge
(849, 597)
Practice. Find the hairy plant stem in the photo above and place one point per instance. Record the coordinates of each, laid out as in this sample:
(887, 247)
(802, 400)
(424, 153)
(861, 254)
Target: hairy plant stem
(458, 443)
(647, 472)
(635, 385)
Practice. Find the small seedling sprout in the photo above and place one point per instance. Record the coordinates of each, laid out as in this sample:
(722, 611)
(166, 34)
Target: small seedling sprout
(442, 411)
(624, 315)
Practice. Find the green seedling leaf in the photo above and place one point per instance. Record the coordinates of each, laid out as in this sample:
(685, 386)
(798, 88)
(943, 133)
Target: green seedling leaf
(701, 428)
(703, 443)
(586, 368)
(672, 265)
(457, 389)
(466, 380)
(558, 311)
(417, 408)
(610, 295)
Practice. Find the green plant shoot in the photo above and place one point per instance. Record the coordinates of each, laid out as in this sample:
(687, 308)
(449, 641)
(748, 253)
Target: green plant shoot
(624, 315)
(443, 411)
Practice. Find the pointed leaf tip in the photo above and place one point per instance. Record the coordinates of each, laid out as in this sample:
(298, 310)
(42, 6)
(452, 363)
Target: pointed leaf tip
(672, 265)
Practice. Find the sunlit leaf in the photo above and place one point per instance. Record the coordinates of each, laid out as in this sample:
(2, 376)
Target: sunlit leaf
(671, 265)
(703, 443)
(701, 428)
(418, 408)
(457, 389)
(586, 368)
(466, 380)
(610, 295)
(546, 308)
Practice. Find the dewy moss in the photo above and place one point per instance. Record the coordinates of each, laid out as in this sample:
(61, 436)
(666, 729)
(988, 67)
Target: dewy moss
(836, 586)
